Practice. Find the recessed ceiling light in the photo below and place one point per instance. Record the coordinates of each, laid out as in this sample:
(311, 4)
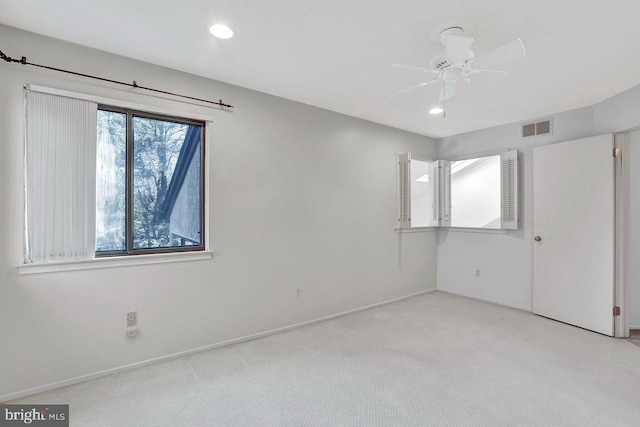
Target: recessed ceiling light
(221, 31)
(436, 110)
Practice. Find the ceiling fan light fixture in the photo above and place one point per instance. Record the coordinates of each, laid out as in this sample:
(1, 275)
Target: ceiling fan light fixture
(221, 31)
(436, 110)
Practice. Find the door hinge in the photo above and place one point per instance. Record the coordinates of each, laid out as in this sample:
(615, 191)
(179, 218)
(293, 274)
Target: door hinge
(616, 311)
(617, 152)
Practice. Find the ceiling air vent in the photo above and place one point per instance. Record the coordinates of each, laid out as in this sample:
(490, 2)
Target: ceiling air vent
(543, 128)
(535, 129)
(529, 130)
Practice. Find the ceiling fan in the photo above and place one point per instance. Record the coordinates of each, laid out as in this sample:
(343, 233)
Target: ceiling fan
(459, 62)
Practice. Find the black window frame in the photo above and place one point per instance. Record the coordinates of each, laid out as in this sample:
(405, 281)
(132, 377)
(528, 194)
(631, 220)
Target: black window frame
(129, 249)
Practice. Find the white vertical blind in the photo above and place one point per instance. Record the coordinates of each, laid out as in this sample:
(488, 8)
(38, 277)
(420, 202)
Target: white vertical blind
(509, 194)
(404, 190)
(60, 161)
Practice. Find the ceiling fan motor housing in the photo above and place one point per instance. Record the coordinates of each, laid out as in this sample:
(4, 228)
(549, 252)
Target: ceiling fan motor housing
(451, 74)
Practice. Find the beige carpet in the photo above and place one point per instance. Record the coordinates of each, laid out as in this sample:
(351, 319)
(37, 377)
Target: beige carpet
(432, 360)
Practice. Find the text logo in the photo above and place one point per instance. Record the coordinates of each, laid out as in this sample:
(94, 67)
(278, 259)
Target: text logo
(34, 415)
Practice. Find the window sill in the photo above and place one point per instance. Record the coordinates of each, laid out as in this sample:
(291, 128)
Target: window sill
(414, 229)
(119, 261)
(475, 230)
(456, 229)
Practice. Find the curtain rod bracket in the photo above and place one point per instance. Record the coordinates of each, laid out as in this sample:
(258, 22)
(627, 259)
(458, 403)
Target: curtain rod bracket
(22, 60)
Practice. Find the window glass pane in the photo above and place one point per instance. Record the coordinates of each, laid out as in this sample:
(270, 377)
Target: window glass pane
(166, 183)
(475, 192)
(423, 202)
(111, 181)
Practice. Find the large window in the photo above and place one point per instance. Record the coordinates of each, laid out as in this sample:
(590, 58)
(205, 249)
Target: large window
(149, 183)
(106, 181)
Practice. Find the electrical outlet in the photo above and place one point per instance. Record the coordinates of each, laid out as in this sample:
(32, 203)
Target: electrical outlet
(298, 290)
(132, 318)
(132, 333)
(478, 273)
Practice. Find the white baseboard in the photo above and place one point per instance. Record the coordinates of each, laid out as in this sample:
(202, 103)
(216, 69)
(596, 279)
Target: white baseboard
(88, 377)
(634, 327)
(506, 304)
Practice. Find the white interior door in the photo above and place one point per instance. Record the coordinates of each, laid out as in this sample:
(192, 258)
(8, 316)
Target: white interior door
(574, 229)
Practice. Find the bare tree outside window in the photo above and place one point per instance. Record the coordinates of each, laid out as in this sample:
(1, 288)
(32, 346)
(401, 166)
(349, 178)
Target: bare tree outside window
(165, 183)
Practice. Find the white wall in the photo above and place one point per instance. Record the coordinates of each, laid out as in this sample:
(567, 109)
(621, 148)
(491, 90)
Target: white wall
(618, 113)
(505, 260)
(300, 197)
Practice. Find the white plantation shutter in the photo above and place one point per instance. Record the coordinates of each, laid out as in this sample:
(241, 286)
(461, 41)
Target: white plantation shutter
(509, 194)
(404, 190)
(444, 196)
(60, 161)
(435, 179)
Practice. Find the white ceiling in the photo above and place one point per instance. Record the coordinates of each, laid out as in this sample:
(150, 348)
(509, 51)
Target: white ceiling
(337, 54)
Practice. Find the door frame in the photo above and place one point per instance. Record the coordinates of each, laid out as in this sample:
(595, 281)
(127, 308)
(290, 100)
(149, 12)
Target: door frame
(621, 267)
(622, 189)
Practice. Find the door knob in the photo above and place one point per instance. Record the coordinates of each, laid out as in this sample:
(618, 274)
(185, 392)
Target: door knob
(538, 239)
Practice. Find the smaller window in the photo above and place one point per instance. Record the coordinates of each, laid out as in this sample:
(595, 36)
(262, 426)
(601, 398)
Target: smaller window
(424, 193)
(418, 192)
(149, 183)
(478, 192)
(475, 192)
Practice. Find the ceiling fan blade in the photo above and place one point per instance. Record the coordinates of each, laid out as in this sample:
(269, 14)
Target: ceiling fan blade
(504, 54)
(486, 70)
(414, 67)
(447, 91)
(458, 48)
(416, 87)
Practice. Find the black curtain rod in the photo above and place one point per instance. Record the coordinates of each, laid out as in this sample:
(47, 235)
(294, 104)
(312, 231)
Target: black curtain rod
(24, 61)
